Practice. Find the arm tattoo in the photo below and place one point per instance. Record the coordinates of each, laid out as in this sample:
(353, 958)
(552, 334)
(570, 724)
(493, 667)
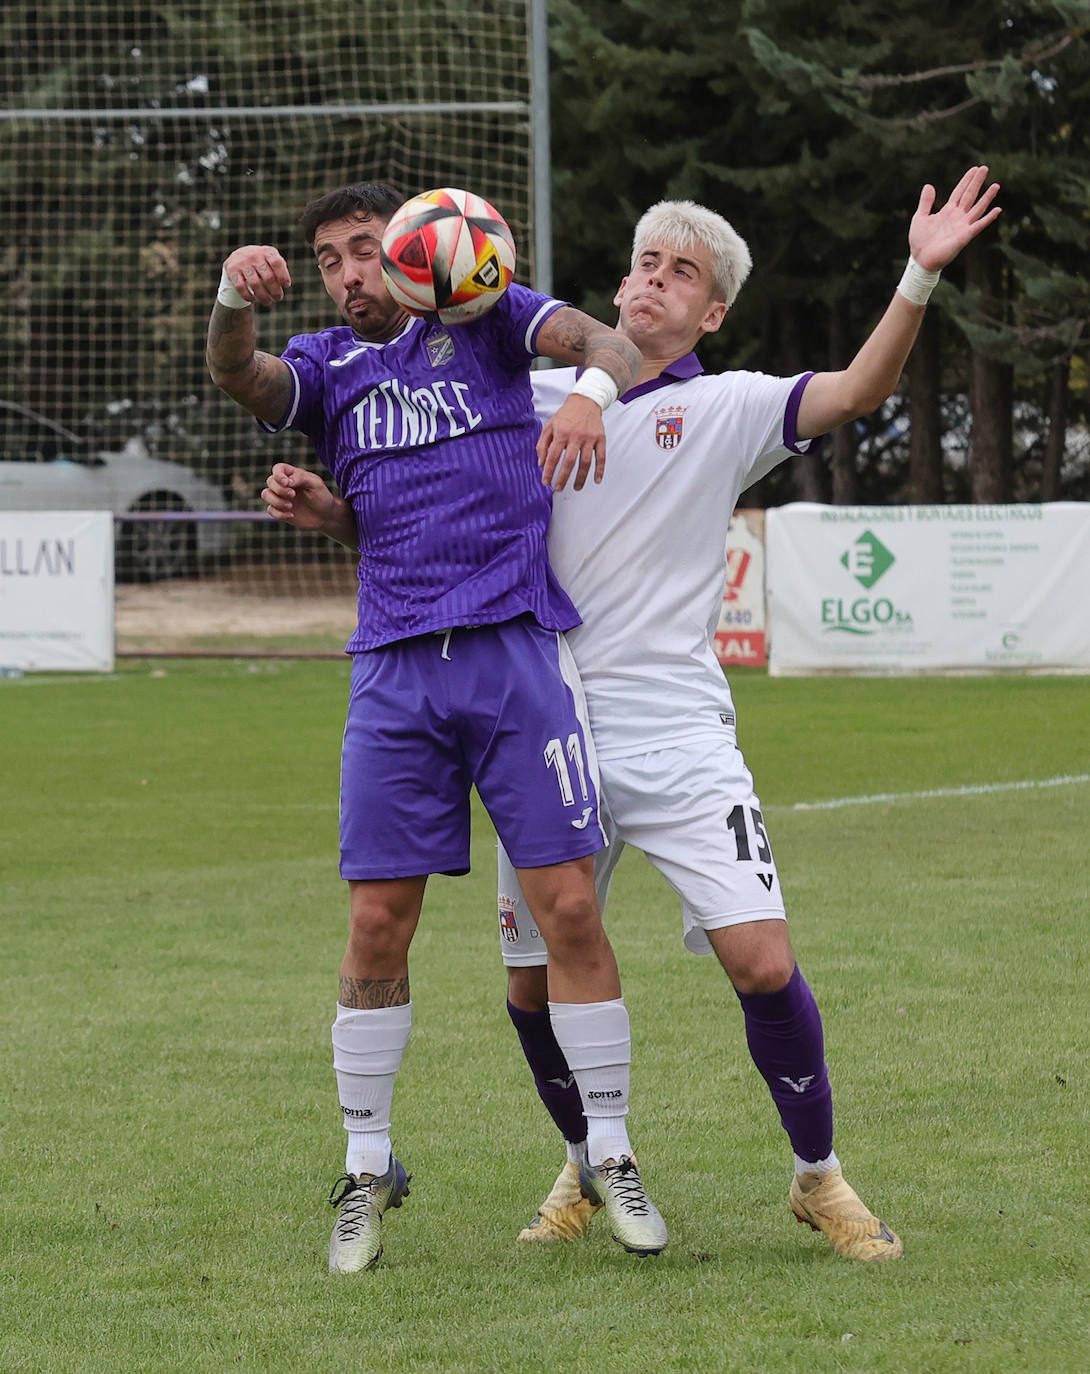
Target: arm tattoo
(574, 337)
(616, 355)
(232, 335)
(570, 331)
(371, 994)
(256, 380)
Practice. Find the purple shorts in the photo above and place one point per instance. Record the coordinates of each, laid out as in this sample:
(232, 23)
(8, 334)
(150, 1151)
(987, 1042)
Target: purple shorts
(499, 707)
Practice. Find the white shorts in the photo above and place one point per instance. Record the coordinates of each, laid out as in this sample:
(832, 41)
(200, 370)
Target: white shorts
(693, 812)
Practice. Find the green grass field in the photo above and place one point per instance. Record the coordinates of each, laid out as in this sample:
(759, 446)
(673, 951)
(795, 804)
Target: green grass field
(171, 926)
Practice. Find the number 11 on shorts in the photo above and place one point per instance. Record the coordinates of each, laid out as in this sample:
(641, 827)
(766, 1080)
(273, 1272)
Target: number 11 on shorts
(555, 758)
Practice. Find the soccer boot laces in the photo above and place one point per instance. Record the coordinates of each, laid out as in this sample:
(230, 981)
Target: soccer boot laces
(828, 1203)
(633, 1218)
(356, 1242)
(566, 1212)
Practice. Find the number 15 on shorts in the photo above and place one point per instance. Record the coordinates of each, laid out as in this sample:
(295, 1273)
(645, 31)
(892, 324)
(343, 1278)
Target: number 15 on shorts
(736, 824)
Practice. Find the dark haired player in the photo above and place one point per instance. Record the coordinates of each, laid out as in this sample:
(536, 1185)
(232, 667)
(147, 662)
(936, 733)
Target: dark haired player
(460, 674)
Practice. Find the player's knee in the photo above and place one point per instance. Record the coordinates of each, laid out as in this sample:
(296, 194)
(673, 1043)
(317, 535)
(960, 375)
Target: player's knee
(766, 971)
(756, 955)
(572, 920)
(377, 933)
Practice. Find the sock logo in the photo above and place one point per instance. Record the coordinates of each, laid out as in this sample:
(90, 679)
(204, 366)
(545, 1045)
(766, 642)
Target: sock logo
(798, 1085)
(358, 1113)
(562, 1082)
(613, 1092)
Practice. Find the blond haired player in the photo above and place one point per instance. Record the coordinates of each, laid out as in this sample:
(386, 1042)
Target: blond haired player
(642, 556)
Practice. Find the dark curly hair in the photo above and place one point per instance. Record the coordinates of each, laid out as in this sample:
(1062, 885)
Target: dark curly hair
(361, 198)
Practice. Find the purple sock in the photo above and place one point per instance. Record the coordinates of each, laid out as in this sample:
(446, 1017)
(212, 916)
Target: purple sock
(785, 1039)
(552, 1077)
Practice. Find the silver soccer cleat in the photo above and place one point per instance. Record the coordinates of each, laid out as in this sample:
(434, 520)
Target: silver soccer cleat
(356, 1242)
(634, 1219)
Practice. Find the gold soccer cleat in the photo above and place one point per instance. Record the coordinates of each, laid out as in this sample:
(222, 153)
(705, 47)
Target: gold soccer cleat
(565, 1214)
(826, 1202)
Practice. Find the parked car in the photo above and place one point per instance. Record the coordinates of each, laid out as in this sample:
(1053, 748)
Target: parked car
(44, 466)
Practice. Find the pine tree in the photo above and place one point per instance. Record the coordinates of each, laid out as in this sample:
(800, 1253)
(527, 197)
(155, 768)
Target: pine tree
(812, 128)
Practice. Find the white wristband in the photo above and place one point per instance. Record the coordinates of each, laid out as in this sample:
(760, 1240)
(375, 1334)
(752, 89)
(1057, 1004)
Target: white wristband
(228, 296)
(597, 385)
(917, 283)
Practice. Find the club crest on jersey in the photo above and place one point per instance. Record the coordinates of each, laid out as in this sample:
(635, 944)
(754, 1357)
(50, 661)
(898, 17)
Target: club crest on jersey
(440, 347)
(509, 927)
(669, 421)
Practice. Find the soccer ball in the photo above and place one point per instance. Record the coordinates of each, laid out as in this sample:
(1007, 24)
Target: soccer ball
(447, 253)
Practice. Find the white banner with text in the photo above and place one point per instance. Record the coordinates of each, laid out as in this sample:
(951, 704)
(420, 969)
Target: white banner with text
(904, 589)
(57, 590)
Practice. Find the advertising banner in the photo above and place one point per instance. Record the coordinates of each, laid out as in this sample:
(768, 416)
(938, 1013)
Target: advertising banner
(56, 590)
(904, 589)
(740, 636)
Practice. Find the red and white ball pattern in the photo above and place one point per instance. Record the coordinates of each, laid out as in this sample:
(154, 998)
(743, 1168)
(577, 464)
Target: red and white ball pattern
(447, 253)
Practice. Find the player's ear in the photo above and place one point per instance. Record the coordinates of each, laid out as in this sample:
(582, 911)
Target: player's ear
(714, 317)
(620, 291)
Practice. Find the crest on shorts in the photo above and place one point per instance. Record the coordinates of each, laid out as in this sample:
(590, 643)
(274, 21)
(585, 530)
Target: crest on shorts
(509, 927)
(440, 346)
(669, 421)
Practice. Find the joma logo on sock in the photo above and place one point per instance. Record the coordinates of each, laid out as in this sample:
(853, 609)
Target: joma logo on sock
(615, 1092)
(360, 1112)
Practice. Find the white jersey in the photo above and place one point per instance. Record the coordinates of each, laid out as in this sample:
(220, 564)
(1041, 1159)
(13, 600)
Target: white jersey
(643, 554)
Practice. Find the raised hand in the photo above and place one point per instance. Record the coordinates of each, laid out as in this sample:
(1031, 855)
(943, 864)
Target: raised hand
(258, 273)
(935, 239)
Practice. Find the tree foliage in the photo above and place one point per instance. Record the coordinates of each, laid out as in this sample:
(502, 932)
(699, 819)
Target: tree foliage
(137, 155)
(812, 129)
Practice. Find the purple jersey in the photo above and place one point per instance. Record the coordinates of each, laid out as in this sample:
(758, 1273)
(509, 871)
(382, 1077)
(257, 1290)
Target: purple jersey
(430, 438)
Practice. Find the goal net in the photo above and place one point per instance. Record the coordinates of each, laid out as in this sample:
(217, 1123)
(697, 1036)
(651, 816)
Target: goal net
(142, 143)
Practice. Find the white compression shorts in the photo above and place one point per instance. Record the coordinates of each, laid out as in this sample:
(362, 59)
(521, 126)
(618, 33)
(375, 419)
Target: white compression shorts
(692, 810)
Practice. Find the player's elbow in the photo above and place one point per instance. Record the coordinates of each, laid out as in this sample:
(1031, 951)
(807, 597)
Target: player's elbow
(858, 396)
(218, 373)
(239, 383)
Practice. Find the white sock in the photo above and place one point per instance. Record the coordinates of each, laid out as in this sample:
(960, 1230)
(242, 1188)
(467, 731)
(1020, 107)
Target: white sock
(819, 1166)
(367, 1050)
(597, 1044)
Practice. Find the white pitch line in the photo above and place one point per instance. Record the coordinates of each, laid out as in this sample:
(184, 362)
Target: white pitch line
(978, 789)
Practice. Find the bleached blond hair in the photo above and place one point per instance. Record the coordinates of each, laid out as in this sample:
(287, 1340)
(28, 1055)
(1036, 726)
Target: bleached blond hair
(682, 225)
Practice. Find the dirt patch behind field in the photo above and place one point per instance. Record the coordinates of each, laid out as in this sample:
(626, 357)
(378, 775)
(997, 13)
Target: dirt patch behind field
(304, 611)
